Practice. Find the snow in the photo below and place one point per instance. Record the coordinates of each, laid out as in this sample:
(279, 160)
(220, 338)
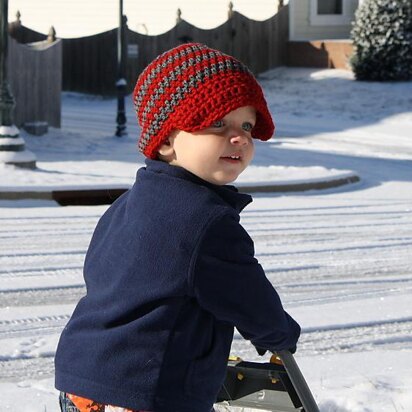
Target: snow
(17, 157)
(9, 141)
(9, 131)
(340, 258)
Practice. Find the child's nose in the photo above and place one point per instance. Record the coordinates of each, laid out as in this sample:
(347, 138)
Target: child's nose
(239, 138)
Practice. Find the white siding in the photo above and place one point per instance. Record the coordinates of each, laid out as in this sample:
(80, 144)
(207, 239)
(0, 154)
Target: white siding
(302, 28)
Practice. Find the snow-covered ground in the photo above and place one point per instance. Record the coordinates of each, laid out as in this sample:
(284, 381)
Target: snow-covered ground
(340, 258)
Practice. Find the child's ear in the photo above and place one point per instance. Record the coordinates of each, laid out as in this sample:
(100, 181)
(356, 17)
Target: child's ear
(166, 150)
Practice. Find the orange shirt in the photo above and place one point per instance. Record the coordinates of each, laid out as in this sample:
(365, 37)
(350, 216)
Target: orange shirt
(87, 405)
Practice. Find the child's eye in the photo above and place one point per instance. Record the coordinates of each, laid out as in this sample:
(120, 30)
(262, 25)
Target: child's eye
(247, 127)
(218, 123)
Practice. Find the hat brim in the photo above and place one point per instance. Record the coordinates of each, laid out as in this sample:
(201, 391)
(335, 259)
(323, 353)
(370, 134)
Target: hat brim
(224, 99)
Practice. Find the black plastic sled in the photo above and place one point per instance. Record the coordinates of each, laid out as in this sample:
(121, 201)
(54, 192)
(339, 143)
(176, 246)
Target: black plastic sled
(276, 386)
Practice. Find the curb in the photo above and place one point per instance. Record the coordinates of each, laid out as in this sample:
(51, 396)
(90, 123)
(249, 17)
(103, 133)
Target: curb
(92, 197)
(80, 197)
(300, 187)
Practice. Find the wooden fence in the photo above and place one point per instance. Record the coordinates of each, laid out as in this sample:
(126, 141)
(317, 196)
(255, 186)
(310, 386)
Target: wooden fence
(35, 76)
(261, 45)
(90, 63)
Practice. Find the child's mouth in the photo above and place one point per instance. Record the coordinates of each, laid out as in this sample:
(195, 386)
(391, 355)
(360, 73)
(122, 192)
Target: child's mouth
(232, 159)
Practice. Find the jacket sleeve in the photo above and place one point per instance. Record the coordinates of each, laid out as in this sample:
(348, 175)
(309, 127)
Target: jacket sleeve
(229, 282)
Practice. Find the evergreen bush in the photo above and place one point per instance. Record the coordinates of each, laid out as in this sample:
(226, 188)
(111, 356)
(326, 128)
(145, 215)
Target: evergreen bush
(382, 39)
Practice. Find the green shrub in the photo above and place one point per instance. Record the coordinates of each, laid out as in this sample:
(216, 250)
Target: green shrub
(382, 38)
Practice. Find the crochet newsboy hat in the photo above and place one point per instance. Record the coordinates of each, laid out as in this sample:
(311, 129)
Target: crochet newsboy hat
(189, 88)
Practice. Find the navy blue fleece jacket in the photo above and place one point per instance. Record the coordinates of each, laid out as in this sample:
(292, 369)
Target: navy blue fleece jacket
(169, 273)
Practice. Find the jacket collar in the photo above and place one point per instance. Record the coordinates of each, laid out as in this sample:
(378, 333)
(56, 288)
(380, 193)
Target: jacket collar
(228, 193)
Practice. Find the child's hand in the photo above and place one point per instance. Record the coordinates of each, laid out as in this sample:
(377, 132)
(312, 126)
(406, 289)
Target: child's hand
(262, 351)
(292, 350)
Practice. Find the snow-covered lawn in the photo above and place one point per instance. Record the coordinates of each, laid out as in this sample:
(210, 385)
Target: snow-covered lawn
(340, 258)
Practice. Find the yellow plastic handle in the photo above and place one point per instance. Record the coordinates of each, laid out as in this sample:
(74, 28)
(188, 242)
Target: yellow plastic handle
(275, 359)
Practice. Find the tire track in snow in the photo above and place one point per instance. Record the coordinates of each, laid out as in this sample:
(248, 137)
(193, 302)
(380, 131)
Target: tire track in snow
(22, 226)
(46, 262)
(36, 326)
(355, 338)
(50, 234)
(50, 219)
(26, 255)
(26, 368)
(39, 244)
(42, 296)
(326, 340)
(29, 272)
(391, 334)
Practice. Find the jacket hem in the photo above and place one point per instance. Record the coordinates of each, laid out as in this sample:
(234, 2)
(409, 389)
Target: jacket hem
(111, 395)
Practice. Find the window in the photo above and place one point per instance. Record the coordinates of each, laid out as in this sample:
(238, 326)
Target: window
(329, 7)
(330, 12)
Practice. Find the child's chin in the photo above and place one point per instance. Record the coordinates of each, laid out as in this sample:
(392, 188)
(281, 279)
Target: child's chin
(225, 180)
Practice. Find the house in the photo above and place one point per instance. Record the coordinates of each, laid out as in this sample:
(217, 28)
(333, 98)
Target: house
(319, 32)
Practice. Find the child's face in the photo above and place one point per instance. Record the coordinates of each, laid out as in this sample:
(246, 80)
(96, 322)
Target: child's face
(219, 153)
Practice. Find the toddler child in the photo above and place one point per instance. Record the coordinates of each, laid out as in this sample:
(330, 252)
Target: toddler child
(170, 271)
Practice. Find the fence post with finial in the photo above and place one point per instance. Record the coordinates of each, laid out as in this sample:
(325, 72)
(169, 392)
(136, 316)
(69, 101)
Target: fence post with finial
(51, 36)
(178, 16)
(230, 12)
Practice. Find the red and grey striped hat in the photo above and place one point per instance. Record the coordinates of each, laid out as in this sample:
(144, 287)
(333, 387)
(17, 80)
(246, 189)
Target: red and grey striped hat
(190, 87)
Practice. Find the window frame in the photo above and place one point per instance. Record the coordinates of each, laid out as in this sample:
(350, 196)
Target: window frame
(330, 19)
